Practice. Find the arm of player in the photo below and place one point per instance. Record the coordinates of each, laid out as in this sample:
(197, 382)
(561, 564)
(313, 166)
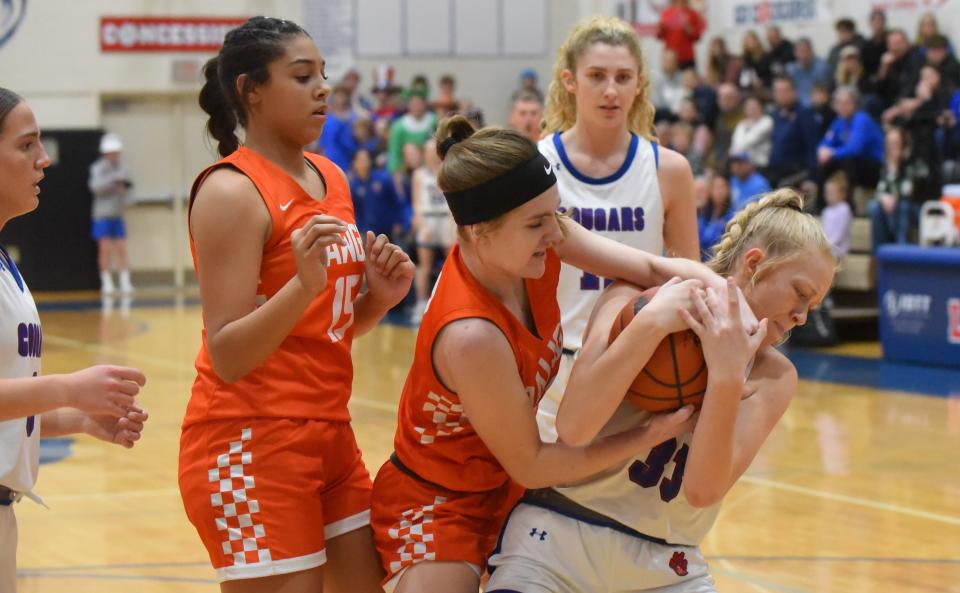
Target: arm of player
(607, 258)
(104, 389)
(230, 224)
(474, 359)
(603, 372)
(728, 347)
(680, 236)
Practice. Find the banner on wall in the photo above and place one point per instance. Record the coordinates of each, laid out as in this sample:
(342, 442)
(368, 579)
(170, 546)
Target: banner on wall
(644, 15)
(899, 5)
(759, 13)
(164, 34)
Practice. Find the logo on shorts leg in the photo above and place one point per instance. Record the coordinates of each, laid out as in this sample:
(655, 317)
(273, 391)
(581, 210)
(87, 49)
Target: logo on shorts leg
(679, 563)
(537, 533)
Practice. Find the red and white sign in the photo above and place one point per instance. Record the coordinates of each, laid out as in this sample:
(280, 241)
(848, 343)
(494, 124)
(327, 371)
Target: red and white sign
(164, 34)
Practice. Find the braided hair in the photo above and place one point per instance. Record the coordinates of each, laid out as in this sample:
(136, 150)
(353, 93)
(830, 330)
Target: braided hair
(777, 224)
(249, 49)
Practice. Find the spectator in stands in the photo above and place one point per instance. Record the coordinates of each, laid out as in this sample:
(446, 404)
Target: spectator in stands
(526, 114)
(412, 128)
(337, 140)
(939, 56)
(922, 117)
(837, 216)
(853, 144)
(712, 219)
(898, 68)
(823, 113)
(703, 96)
(781, 50)
(359, 104)
(375, 201)
(746, 184)
(680, 28)
(681, 140)
(387, 103)
(381, 131)
(807, 70)
(667, 90)
(446, 102)
(528, 82)
(752, 135)
(364, 137)
(722, 66)
(876, 46)
(728, 99)
(893, 209)
(847, 34)
(851, 72)
(927, 31)
(420, 87)
(403, 183)
(793, 142)
(756, 74)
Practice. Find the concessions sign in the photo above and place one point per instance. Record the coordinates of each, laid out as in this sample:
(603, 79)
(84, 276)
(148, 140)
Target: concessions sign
(164, 34)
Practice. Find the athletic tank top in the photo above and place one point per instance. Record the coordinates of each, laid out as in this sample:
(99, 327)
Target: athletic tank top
(432, 201)
(310, 374)
(646, 492)
(434, 437)
(20, 344)
(625, 206)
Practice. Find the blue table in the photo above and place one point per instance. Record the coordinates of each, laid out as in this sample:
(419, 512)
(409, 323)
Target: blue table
(920, 304)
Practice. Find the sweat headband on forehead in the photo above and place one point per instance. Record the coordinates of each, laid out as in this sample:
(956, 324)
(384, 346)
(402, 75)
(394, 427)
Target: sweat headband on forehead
(503, 193)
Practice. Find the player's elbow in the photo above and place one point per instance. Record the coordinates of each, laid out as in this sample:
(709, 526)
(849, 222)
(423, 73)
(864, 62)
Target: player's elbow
(226, 372)
(571, 434)
(701, 496)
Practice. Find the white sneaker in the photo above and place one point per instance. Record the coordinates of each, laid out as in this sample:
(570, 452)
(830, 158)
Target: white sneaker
(125, 286)
(106, 283)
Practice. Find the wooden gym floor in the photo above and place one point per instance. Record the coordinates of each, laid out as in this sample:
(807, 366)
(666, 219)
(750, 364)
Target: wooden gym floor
(857, 490)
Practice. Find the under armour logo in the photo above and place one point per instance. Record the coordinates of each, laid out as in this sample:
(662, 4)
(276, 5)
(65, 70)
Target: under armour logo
(534, 533)
(546, 169)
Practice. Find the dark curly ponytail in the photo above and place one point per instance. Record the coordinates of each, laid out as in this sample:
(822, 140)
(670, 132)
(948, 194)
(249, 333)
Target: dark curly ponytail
(248, 50)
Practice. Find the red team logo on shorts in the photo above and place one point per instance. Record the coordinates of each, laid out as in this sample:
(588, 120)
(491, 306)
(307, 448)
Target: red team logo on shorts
(679, 563)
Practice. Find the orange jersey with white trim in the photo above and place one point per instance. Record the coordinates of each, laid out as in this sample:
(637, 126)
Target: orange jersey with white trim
(434, 436)
(310, 374)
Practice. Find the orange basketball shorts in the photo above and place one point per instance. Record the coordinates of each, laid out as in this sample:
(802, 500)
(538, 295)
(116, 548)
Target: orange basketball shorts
(266, 493)
(414, 521)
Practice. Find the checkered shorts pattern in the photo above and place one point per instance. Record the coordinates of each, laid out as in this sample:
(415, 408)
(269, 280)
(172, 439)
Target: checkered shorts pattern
(236, 508)
(416, 535)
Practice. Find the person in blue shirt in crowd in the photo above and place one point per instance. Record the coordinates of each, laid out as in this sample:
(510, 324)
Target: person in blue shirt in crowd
(713, 217)
(376, 204)
(745, 182)
(807, 70)
(793, 150)
(853, 143)
(337, 142)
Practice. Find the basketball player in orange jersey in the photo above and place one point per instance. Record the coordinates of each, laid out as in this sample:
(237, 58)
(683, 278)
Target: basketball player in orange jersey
(270, 472)
(647, 515)
(614, 177)
(487, 350)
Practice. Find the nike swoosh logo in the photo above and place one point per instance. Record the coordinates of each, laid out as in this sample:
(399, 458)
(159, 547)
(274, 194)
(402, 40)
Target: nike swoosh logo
(283, 207)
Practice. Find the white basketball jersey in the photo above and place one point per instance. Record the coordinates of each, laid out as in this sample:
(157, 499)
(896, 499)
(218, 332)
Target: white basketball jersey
(646, 493)
(432, 201)
(625, 206)
(20, 345)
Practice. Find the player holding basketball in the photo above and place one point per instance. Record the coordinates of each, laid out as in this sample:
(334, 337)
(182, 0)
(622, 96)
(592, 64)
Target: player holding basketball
(613, 177)
(99, 401)
(270, 472)
(487, 349)
(638, 525)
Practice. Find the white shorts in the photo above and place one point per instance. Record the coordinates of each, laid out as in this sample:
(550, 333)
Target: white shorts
(8, 548)
(550, 403)
(541, 551)
(436, 230)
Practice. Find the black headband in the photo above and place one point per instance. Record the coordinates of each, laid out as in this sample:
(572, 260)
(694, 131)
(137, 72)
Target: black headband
(503, 193)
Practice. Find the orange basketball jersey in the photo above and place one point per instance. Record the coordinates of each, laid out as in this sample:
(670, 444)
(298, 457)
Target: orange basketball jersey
(310, 374)
(434, 437)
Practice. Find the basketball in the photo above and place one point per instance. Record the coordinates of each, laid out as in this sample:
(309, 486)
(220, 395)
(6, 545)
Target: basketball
(676, 374)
